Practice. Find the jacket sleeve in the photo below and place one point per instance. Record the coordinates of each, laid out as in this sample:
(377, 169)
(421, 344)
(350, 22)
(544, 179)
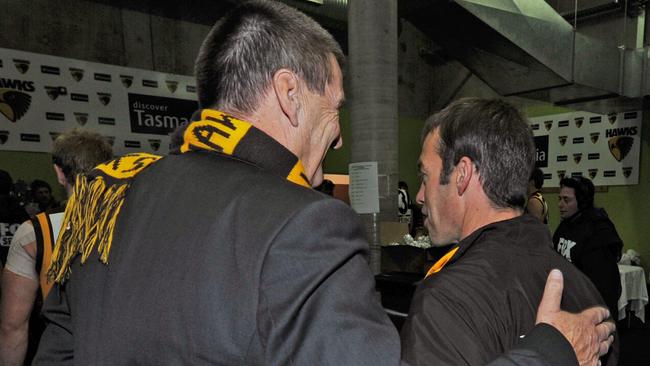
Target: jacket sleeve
(56, 345)
(317, 300)
(444, 335)
(542, 346)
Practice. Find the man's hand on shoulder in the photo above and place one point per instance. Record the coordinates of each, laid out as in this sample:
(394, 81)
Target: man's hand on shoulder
(589, 332)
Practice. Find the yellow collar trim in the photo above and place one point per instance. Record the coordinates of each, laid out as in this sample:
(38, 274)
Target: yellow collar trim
(441, 262)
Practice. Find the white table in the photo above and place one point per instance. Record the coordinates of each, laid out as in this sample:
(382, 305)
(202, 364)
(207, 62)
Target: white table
(633, 291)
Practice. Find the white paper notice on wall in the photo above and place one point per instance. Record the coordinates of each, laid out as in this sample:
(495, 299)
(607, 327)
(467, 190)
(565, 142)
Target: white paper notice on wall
(602, 147)
(364, 187)
(42, 96)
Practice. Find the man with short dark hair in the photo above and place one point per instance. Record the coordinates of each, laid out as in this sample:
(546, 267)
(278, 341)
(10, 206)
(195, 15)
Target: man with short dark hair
(218, 253)
(536, 204)
(587, 238)
(479, 300)
(24, 282)
(42, 196)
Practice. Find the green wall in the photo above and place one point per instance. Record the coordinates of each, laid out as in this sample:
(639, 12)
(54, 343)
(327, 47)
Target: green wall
(409, 153)
(409, 150)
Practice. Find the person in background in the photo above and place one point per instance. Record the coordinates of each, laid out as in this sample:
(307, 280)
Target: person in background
(24, 281)
(536, 204)
(587, 238)
(42, 197)
(12, 214)
(218, 253)
(478, 300)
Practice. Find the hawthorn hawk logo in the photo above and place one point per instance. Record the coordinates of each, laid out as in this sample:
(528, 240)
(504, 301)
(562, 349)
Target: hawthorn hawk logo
(562, 140)
(171, 85)
(77, 74)
(104, 98)
(81, 118)
(54, 91)
(548, 124)
(127, 80)
(620, 146)
(611, 116)
(155, 144)
(21, 65)
(561, 174)
(593, 173)
(4, 136)
(627, 171)
(14, 104)
(577, 157)
(594, 137)
(578, 121)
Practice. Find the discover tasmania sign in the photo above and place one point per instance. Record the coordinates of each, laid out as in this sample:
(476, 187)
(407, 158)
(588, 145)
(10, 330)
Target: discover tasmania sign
(158, 115)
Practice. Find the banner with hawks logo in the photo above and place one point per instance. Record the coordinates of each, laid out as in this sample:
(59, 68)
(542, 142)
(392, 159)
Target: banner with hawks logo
(42, 96)
(603, 148)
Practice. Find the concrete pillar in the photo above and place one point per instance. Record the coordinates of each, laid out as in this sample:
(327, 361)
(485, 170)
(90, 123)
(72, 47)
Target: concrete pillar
(372, 95)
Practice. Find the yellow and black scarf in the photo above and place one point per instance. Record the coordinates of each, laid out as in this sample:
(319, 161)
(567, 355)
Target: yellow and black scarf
(97, 197)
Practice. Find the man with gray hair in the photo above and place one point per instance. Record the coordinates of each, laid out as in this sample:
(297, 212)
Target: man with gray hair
(217, 253)
(24, 284)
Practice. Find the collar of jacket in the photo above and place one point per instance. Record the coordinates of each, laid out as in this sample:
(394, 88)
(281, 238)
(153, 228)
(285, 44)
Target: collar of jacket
(459, 249)
(219, 132)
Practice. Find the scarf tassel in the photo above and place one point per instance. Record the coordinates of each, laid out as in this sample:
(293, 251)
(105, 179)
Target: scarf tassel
(81, 234)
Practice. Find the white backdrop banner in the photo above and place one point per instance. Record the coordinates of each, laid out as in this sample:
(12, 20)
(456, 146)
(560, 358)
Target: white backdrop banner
(42, 96)
(603, 148)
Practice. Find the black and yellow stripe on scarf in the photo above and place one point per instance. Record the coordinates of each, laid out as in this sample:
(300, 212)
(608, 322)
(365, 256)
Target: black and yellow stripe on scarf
(220, 132)
(97, 197)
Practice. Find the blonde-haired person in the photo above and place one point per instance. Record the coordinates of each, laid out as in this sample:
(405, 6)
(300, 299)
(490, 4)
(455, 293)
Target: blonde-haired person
(24, 284)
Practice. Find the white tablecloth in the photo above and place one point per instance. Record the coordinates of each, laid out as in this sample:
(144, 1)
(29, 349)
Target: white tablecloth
(633, 291)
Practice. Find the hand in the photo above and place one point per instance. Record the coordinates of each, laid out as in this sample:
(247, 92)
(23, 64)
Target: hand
(588, 332)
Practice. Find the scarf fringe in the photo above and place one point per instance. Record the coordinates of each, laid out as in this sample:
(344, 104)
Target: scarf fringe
(81, 234)
(97, 198)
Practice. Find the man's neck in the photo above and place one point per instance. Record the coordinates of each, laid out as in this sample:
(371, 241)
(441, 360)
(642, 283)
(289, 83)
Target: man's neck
(477, 217)
(269, 119)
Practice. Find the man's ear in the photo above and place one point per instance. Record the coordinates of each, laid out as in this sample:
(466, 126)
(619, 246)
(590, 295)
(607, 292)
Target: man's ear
(60, 177)
(465, 170)
(286, 86)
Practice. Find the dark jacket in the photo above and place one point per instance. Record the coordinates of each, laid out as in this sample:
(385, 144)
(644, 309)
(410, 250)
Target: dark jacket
(589, 240)
(485, 299)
